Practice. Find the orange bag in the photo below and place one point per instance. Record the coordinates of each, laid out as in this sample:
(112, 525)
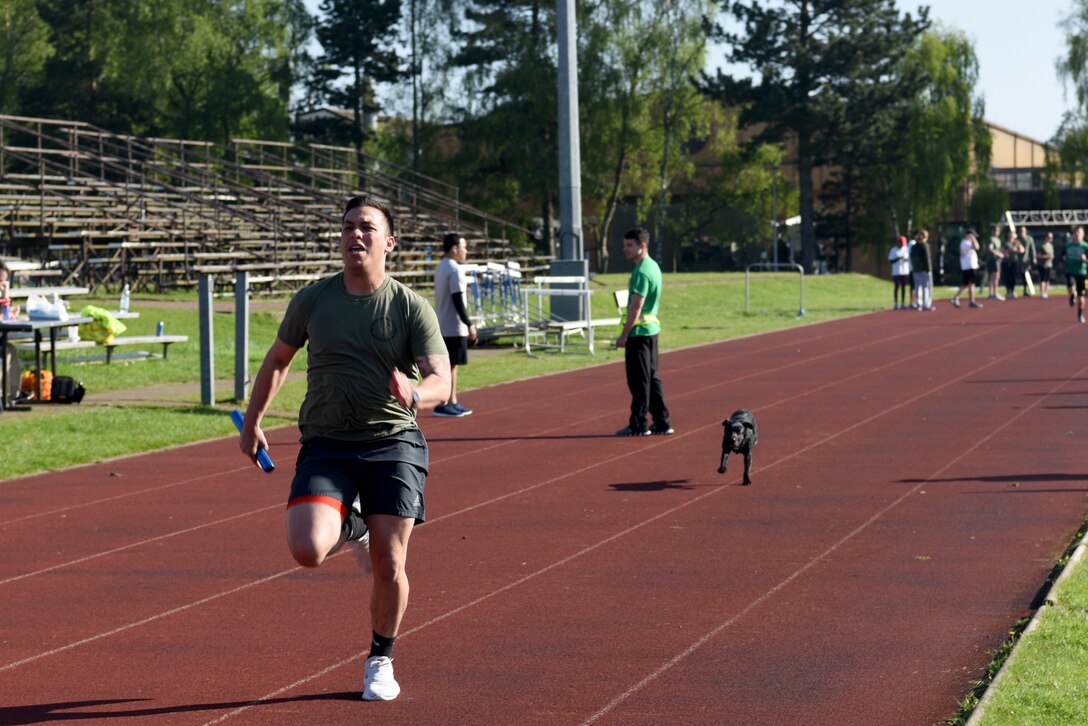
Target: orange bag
(29, 383)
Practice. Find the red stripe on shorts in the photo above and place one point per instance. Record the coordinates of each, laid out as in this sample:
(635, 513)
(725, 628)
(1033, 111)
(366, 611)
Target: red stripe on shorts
(318, 499)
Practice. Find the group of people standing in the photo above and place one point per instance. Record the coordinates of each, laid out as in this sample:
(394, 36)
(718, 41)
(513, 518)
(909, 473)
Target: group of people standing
(912, 272)
(1014, 259)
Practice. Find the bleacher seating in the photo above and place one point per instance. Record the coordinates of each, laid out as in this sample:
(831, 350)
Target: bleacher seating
(100, 209)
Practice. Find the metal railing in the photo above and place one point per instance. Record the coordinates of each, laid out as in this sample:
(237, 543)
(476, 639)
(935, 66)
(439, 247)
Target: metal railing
(773, 266)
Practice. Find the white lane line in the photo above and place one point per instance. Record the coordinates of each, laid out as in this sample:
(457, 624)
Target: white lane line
(145, 621)
(150, 490)
(132, 545)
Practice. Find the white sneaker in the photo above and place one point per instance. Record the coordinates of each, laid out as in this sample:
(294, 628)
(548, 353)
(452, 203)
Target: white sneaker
(379, 680)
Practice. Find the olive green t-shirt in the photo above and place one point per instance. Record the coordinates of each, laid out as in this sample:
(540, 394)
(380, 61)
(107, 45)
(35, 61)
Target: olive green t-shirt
(353, 343)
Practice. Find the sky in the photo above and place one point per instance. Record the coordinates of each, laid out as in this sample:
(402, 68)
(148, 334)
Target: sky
(1017, 44)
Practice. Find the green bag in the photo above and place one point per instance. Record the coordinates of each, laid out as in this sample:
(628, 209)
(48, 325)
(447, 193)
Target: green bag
(103, 329)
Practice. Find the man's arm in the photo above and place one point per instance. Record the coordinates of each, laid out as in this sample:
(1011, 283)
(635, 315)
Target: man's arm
(634, 311)
(462, 313)
(270, 378)
(432, 390)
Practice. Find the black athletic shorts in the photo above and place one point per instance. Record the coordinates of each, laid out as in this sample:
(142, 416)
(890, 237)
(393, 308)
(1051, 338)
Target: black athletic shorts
(1078, 283)
(457, 347)
(388, 474)
(968, 277)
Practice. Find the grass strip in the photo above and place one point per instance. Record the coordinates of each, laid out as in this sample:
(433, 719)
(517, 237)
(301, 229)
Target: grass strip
(1037, 676)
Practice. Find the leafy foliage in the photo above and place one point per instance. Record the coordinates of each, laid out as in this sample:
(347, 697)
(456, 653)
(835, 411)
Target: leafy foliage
(24, 50)
(508, 139)
(355, 37)
(811, 59)
(200, 69)
(910, 145)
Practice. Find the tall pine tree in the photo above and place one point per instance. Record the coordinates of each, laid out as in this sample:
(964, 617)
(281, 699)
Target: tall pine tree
(509, 133)
(357, 38)
(800, 53)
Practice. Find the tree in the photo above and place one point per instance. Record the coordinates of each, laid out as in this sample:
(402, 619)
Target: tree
(191, 68)
(1072, 144)
(73, 69)
(24, 50)
(1073, 66)
(1072, 137)
(508, 140)
(356, 38)
(429, 54)
(640, 108)
(908, 143)
(678, 101)
(799, 50)
(946, 138)
(989, 202)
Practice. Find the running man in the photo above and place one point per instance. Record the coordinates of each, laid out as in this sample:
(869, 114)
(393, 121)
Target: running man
(363, 464)
(1076, 267)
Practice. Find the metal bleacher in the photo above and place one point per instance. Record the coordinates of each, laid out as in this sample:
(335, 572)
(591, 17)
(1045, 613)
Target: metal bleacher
(101, 210)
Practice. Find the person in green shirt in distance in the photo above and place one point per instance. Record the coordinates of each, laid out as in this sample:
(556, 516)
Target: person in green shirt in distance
(1076, 266)
(639, 340)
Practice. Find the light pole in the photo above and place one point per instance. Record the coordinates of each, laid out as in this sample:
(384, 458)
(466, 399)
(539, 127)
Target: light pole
(774, 212)
(570, 162)
(571, 262)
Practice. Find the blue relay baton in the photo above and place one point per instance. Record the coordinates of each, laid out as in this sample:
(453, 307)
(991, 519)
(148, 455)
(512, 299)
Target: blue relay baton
(262, 454)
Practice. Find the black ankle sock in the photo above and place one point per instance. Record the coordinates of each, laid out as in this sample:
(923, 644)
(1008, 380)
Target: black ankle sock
(381, 645)
(354, 526)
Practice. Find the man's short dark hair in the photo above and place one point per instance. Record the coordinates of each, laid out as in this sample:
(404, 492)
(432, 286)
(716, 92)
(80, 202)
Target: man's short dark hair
(639, 234)
(373, 203)
(450, 241)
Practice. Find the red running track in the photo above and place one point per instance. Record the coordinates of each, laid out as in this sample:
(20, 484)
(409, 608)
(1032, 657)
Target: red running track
(917, 477)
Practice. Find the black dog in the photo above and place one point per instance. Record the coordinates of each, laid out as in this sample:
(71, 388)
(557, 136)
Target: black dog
(741, 435)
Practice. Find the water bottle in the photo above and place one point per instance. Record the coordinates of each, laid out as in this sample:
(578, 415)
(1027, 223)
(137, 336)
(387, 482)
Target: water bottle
(160, 329)
(124, 299)
(5, 308)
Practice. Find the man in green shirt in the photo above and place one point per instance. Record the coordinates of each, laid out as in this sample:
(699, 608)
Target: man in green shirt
(1076, 266)
(639, 340)
(363, 464)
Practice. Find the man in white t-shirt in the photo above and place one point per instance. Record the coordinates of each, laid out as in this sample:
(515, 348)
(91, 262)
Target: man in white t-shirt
(450, 289)
(969, 268)
(899, 256)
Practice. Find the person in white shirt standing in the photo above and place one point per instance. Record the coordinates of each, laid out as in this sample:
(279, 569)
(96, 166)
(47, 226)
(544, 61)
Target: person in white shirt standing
(969, 268)
(900, 259)
(450, 288)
